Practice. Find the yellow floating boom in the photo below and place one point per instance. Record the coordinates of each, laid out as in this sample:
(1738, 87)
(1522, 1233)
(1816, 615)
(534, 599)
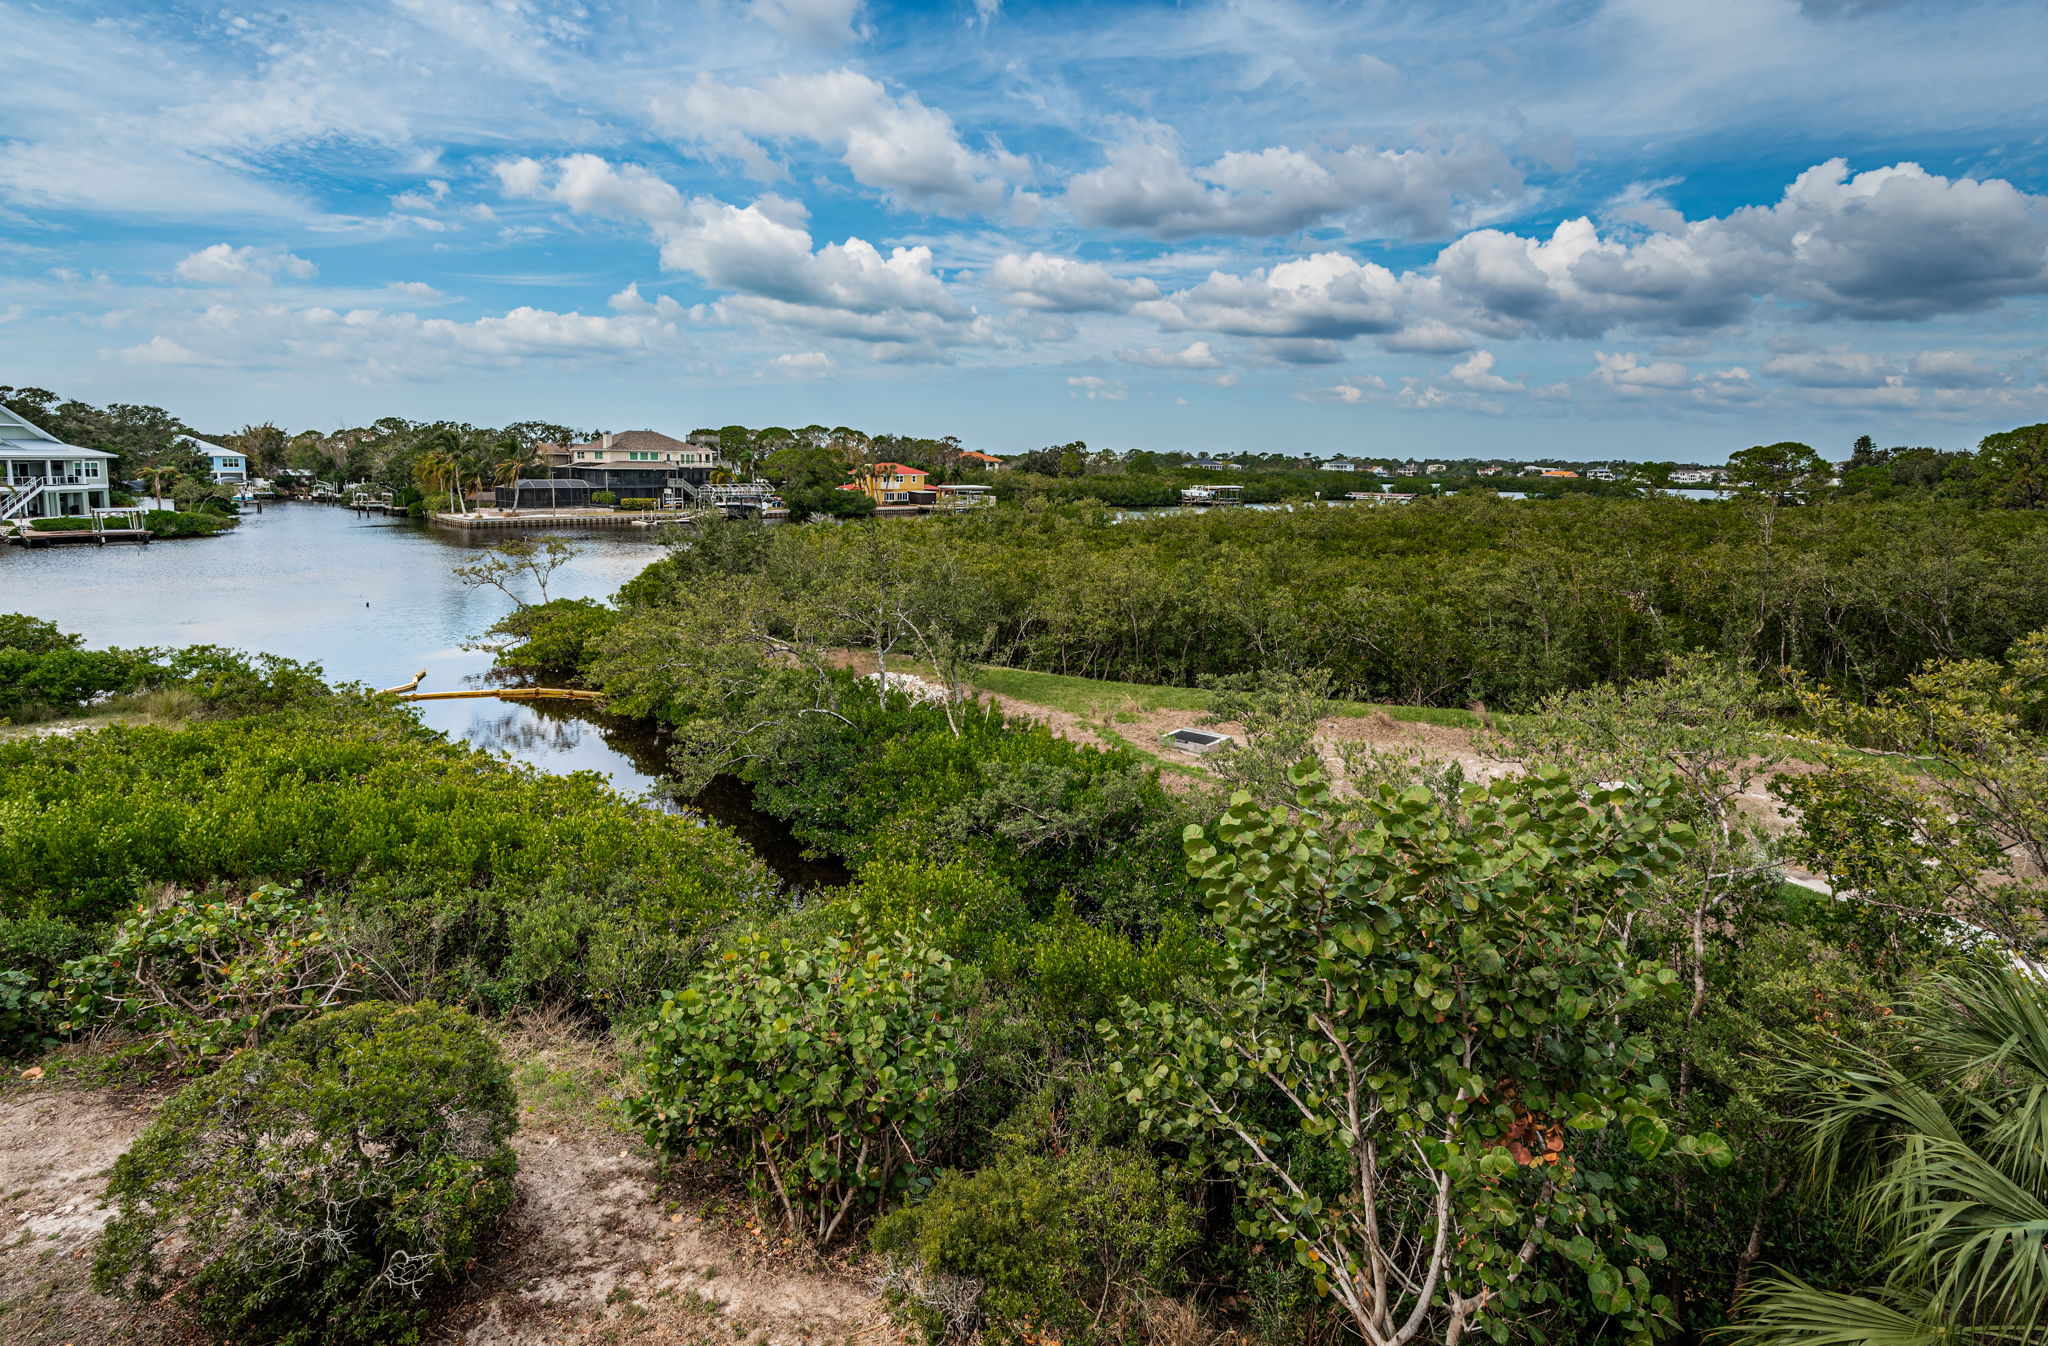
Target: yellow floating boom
(508, 694)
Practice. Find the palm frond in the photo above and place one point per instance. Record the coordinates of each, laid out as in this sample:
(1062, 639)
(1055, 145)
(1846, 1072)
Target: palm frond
(1789, 1312)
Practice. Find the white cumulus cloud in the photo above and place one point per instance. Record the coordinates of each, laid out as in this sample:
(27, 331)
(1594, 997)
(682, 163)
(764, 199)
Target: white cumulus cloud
(1093, 387)
(761, 252)
(1064, 285)
(1195, 355)
(226, 265)
(894, 144)
(801, 365)
(1147, 185)
(1327, 295)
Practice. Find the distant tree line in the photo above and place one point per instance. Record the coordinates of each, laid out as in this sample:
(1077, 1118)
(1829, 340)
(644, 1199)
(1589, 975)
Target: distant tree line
(809, 463)
(1441, 602)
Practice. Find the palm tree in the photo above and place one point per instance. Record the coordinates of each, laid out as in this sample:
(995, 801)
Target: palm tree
(440, 466)
(1945, 1142)
(161, 470)
(443, 464)
(514, 458)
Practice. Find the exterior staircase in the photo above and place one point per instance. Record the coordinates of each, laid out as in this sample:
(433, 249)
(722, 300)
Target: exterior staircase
(24, 494)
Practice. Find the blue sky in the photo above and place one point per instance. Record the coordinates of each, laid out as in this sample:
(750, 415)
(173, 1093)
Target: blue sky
(1647, 229)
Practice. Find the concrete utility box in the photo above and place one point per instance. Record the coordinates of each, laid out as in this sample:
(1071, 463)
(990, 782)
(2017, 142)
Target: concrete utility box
(1198, 741)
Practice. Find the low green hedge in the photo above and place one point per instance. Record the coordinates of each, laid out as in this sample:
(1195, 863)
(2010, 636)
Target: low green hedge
(181, 523)
(637, 502)
(59, 525)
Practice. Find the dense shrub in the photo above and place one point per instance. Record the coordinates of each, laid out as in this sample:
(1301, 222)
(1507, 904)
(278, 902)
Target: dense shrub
(166, 523)
(821, 1067)
(467, 876)
(1038, 1246)
(637, 502)
(892, 780)
(39, 946)
(604, 497)
(24, 1023)
(1078, 971)
(557, 636)
(318, 1188)
(44, 672)
(1448, 600)
(211, 973)
(956, 906)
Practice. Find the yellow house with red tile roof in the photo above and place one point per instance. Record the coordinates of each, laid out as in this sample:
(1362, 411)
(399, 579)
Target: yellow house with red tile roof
(891, 483)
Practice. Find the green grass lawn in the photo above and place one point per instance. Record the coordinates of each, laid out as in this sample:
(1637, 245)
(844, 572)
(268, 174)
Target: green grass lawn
(1094, 697)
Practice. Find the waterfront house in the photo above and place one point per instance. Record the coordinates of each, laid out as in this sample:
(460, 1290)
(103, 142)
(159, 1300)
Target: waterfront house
(1340, 465)
(976, 458)
(42, 477)
(891, 483)
(642, 464)
(224, 463)
(1558, 472)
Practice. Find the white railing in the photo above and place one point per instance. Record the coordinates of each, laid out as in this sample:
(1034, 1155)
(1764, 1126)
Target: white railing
(23, 494)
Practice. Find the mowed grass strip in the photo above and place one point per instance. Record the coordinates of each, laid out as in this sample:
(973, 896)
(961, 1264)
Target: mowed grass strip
(1094, 696)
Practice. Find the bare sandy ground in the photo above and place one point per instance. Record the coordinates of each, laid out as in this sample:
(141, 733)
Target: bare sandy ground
(606, 1244)
(602, 1245)
(56, 1145)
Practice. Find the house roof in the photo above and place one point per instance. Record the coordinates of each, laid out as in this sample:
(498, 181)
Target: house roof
(639, 441)
(979, 456)
(22, 438)
(899, 468)
(212, 449)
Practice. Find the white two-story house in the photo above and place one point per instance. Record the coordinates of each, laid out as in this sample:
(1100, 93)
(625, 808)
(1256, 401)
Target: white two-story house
(42, 477)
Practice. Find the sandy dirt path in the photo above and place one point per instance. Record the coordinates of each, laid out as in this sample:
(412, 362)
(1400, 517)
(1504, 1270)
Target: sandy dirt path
(603, 1245)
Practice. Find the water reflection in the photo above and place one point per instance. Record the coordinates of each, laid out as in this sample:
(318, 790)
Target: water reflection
(519, 733)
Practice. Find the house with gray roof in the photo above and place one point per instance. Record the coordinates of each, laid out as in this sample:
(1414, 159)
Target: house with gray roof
(42, 477)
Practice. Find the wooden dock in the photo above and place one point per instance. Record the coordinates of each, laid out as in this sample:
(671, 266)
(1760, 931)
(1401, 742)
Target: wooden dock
(29, 537)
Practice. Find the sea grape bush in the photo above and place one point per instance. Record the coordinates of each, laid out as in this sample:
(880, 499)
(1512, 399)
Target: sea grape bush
(1420, 1036)
(821, 1067)
(313, 1190)
(212, 973)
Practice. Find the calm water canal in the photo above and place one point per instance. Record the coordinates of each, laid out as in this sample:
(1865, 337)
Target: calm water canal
(367, 598)
(372, 600)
